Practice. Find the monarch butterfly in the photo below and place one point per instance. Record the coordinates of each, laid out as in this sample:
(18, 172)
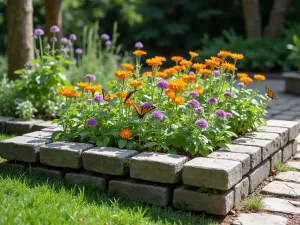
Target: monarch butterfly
(128, 95)
(106, 96)
(270, 93)
(142, 110)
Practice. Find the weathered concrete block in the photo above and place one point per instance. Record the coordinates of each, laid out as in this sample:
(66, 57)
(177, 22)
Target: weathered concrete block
(294, 146)
(52, 129)
(267, 136)
(63, 154)
(86, 180)
(257, 176)
(21, 148)
(276, 158)
(268, 147)
(43, 125)
(283, 132)
(291, 125)
(287, 152)
(157, 167)
(3, 120)
(254, 152)
(241, 191)
(39, 134)
(20, 127)
(220, 174)
(107, 160)
(188, 198)
(10, 166)
(244, 159)
(53, 174)
(153, 194)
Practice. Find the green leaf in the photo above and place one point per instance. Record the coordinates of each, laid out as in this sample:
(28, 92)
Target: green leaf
(130, 144)
(122, 143)
(84, 134)
(150, 145)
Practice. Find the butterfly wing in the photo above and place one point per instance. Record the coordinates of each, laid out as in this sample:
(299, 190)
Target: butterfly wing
(128, 95)
(138, 110)
(147, 109)
(270, 93)
(106, 96)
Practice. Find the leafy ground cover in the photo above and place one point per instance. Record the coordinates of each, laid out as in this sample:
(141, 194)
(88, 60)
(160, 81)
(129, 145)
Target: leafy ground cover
(6, 136)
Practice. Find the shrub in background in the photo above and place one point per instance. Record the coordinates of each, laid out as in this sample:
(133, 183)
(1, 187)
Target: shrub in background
(8, 90)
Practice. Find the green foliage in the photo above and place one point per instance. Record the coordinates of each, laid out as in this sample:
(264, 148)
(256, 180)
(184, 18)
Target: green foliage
(8, 91)
(254, 203)
(281, 167)
(25, 110)
(207, 190)
(295, 51)
(5, 136)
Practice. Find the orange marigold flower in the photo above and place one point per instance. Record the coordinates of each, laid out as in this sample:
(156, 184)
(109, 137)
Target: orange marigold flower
(177, 58)
(161, 58)
(216, 59)
(240, 75)
(198, 89)
(126, 134)
(129, 102)
(123, 74)
(228, 66)
(211, 62)
(223, 54)
(246, 80)
(139, 52)
(188, 78)
(93, 88)
(170, 71)
(185, 62)
(177, 85)
(128, 66)
(178, 68)
(154, 62)
(193, 54)
(205, 71)
(198, 66)
(68, 92)
(237, 56)
(148, 73)
(162, 74)
(178, 100)
(135, 83)
(259, 77)
(170, 93)
(82, 85)
(121, 95)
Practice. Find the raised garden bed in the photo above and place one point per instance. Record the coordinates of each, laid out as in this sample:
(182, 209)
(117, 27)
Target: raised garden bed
(213, 184)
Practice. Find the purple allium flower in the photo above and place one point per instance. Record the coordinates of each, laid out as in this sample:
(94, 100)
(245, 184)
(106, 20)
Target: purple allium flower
(64, 41)
(220, 113)
(73, 37)
(34, 36)
(213, 100)
(98, 98)
(105, 36)
(228, 115)
(67, 57)
(191, 73)
(199, 110)
(54, 29)
(147, 104)
(108, 43)
(217, 73)
(162, 84)
(201, 124)
(78, 50)
(193, 93)
(53, 39)
(194, 103)
(157, 115)
(90, 77)
(89, 100)
(39, 32)
(47, 47)
(70, 44)
(91, 122)
(241, 84)
(139, 45)
(227, 94)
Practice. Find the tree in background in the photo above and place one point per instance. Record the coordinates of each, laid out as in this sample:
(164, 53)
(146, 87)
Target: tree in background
(252, 18)
(53, 15)
(20, 30)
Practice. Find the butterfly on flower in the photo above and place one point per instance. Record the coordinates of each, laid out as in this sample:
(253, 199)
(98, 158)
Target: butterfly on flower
(270, 93)
(106, 96)
(128, 95)
(142, 110)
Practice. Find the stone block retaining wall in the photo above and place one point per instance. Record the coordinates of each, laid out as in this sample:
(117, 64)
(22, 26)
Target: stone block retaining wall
(213, 184)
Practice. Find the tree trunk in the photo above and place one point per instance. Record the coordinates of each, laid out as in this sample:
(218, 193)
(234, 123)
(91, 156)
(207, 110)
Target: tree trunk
(252, 18)
(53, 16)
(20, 30)
(277, 18)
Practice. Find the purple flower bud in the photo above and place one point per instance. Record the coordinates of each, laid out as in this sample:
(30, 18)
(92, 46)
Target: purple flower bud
(199, 110)
(201, 124)
(220, 113)
(78, 50)
(109, 107)
(64, 41)
(54, 29)
(91, 122)
(105, 36)
(191, 73)
(90, 77)
(53, 39)
(228, 115)
(217, 73)
(157, 115)
(89, 100)
(47, 47)
(193, 93)
(147, 104)
(194, 103)
(227, 95)
(108, 43)
(139, 45)
(39, 32)
(241, 84)
(213, 100)
(162, 84)
(73, 37)
(98, 98)
(70, 44)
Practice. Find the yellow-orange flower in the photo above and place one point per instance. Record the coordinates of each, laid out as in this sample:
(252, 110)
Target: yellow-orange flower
(126, 134)
(82, 85)
(121, 95)
(178, 100)
(93, 88)
(193, 54)
(212, 62)
(228, 66)
(185, 62)
(223, 54)
(170, 93)
(178, 68)
(216, 59)
(198, 66)
(259, 77)
(205, 71)
(139, 52)
(177, 85)
(128, 66)
(135, 83)
(154, 62)
(177, 58)
(129, 102)
(162, 74)
(236, 56)
(68, 92)
(240, 75)
(188, 78)
(123, 74)
(148, 73)
(198, 89)
(246, 80)
(170, 71)
(161, 58)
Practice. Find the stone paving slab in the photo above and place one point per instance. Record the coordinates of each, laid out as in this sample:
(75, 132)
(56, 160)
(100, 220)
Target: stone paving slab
(289, 176)
(187, 198)
(281, 205)
(283, 132)
(39, 134)
(157, 167)
(107, 160)
(3, 120)
(21, 127)
(64, 154)
(281, 188)
(21, 148)
(220, 174)
(86, 180)
(295, 165)
(291, 125)
(260, 219)
(257, 176)
(254, 152)
(53, 174)
(153, 194)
